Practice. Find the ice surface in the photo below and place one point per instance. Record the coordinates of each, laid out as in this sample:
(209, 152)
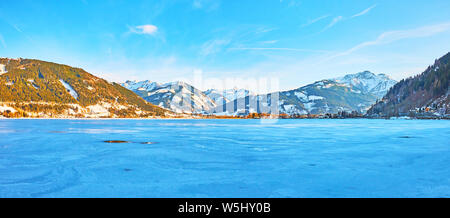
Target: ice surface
(225, 158)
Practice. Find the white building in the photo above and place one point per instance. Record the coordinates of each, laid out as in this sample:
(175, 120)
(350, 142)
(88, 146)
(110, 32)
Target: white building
(2, 69)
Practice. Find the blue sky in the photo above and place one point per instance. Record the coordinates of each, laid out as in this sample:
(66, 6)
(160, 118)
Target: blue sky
(296, 41)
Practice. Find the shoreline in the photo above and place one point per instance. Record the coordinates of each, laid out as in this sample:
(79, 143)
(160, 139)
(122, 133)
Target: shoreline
(58, 118)
(185, 118)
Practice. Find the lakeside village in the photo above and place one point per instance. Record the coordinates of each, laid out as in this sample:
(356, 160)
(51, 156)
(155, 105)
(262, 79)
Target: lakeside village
(418, 113)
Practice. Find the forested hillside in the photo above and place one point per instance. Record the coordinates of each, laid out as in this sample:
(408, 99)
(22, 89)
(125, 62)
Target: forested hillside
(48, 89)
(426, 94)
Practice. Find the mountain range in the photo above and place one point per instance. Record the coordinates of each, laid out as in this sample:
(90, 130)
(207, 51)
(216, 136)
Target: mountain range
(182, 97)
(177, 96)
(353, 92)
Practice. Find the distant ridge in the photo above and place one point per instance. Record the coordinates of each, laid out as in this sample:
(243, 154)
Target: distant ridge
(177, 96)
(353, 92)
(227, 95)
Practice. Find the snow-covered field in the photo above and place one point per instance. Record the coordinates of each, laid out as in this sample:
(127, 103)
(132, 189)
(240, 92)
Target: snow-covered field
(225, 158)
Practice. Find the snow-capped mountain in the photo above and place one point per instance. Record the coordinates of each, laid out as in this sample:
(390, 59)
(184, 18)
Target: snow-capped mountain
(354, 92)
(176, 96)
(325, 96)
(141, 85)
(225, 96)
(368, 82)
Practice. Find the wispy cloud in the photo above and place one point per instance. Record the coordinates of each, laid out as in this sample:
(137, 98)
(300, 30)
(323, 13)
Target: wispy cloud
(208, 5)
(333, 22)
(282, 49)
(2, 41)
(16, 28)
(338, 19)
(213, 46)
(197, 4)
(147, 29)
(392, 36)
(364, 12)
(269, 41)
(314, 20)
(224, 38)
(19, 30)
(264, 30)
(292, 3)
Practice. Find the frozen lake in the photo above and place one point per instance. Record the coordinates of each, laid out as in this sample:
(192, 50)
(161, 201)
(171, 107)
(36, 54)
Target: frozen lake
(225, 158)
